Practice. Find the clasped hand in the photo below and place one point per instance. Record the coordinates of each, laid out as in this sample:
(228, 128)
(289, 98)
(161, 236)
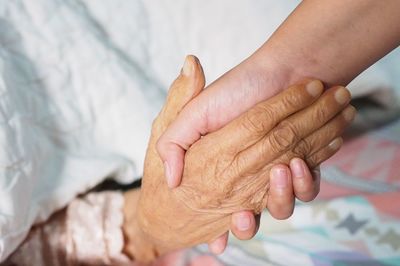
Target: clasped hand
(229, 170)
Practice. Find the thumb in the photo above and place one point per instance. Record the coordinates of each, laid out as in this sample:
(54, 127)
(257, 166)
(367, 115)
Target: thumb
(171, 121)
(185, 87)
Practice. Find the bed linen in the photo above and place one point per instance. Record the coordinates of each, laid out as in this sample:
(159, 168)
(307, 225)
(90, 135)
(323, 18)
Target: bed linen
(81, 81)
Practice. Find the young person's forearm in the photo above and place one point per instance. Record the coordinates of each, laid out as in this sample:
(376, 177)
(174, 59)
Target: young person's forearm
(332, 40)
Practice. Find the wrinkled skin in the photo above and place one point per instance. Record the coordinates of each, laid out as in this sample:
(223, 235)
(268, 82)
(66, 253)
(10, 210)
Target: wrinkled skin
(228, 170)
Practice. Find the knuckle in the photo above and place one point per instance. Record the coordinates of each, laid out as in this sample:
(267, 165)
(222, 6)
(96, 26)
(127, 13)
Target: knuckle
(311, 161)
(239, 164)
(302, 149)
(292, 102)
(256, 119)
(320, 114)
(251, 122)
(283, 137)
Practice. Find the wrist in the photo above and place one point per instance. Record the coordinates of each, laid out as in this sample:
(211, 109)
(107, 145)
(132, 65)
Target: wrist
(137, 243)
(268, 75)
(288, 68)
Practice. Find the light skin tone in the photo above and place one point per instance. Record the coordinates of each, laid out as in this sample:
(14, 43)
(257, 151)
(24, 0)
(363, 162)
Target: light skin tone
(228, 170)
(332, 40)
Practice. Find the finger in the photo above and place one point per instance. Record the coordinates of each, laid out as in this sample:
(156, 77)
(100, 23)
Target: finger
(316, 174)
(321, 137)
(281, 198)
(306, 183)
(255, 123)
(187, 86)
(303, 183)
(324, 135)
(218, 245)
(324, 154)
(303, 180)
(293, 129)
(244, 225)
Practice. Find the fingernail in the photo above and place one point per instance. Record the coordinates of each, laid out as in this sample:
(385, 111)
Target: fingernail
(342, 95)
(187, 67)
(243, 222)
(315, 88)
(280, 178)
(349, 113)
(168, 175)
(336, 144)
(297, 167)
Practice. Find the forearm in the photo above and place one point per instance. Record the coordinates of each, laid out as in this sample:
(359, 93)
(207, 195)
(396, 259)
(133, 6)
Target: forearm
(333, 41)
(329, 40)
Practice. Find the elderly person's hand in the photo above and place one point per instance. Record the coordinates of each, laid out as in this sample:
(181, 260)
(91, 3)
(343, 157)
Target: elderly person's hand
(229, 170)
(219, 104)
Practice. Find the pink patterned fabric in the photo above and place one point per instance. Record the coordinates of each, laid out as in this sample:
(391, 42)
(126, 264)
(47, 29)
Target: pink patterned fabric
(87, 232)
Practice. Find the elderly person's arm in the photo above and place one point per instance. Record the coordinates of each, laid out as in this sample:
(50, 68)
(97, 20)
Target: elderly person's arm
(229, 170)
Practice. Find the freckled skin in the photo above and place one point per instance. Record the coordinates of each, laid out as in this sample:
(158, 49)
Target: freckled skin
(225, 171)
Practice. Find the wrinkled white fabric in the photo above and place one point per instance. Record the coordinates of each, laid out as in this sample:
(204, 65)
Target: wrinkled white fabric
(81, 80)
